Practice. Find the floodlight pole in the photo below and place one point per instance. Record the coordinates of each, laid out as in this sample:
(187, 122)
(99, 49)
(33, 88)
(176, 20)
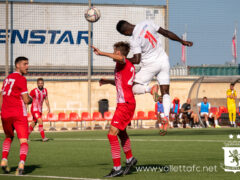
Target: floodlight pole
(89, 61)
(6, 44)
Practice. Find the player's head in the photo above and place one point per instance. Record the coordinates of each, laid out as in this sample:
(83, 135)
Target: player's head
(189, 101)
(21, 64)
(205, 99)
(176, 100)
(232, 86)
(40, 83)
(121, 48)
(125, 28)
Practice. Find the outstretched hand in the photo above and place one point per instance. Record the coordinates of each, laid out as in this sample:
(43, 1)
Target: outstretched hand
(102, 81)
(96, 50)
(187, 43)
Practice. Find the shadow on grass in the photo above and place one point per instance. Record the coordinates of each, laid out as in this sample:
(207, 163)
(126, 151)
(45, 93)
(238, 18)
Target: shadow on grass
(27, 169)
(191, 132)
(40, 140)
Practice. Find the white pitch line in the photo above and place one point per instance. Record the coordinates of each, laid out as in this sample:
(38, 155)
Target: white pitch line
(142, 140)
(50, 177)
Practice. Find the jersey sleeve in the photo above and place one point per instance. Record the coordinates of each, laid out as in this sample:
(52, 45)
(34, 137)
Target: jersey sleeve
(135, 45)
(32, 93)
(209, 107)
(23, 85)
(155, 27)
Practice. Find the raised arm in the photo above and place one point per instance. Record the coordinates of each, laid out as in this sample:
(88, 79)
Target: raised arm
(135, 59)
(118, 58)
(106, 81)
(173, 37)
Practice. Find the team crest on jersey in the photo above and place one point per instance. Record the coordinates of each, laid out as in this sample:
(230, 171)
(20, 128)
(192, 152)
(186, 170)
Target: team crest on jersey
(232, 155)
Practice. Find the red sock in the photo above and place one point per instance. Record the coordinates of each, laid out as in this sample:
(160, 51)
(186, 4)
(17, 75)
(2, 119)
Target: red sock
(6, 147)
(165, 126)
(23, 151)
(115, 150)
(40, 129)
(126, 145)
(30, 129)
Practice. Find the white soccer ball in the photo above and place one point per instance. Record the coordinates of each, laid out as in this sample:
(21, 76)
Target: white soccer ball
(92, 14)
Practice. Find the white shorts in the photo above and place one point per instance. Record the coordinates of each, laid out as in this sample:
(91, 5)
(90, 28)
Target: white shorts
(203, 113)
(159, 67)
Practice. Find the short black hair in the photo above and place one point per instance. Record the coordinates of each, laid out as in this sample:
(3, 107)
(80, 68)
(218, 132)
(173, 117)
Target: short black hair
(19, 59)
(232, 84)
(121, 26)
(123, 47)
(40, 79)
(204, 97)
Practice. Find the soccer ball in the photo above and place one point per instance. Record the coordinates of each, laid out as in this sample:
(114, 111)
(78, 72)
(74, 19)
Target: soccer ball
(92, 14)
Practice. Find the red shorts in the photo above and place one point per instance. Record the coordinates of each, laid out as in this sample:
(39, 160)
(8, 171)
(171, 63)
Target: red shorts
(18, 123)
(36, 115)
(123, 115)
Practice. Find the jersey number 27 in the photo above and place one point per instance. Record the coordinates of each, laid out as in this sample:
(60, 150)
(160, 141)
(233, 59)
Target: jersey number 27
(9, 82)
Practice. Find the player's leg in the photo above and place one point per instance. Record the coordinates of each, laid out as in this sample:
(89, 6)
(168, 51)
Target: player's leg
(214, 116)
(21, 126)
(126, 145)
(206, 119)
(230, 114)
(234, 114)
(9, 135)
(41, 130)
(115, 151)
(142, 80)
(31, 127)
(34, 122)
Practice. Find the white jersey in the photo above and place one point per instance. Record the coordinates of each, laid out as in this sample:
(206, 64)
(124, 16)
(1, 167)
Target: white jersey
(146, 40)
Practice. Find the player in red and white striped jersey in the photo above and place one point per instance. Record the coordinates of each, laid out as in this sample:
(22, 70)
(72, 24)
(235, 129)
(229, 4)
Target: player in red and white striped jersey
(13, 97)
(39, 94)
(124, 75)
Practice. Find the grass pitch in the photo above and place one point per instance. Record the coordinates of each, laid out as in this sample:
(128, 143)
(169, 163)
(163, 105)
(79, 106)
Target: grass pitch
(184, 153)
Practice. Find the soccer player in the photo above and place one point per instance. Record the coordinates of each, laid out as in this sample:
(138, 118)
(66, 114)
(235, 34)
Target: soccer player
(231, 104)
(14, 96)
(147, 48)
(124, 75)
(39, 94)
(204, 109)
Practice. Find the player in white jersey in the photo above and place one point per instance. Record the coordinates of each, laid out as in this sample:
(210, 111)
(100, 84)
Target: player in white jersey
(147, 49)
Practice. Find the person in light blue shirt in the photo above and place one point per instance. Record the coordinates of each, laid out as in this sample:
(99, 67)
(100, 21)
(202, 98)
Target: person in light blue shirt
(204, 110)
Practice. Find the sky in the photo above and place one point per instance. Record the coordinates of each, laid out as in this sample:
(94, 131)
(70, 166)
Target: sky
(210, 25)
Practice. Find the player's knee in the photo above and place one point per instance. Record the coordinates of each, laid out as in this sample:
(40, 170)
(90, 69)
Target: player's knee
(23, 140)
(113, 131)
(138, 89)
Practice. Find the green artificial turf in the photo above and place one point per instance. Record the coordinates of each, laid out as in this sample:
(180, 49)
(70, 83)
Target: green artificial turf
(86, 154)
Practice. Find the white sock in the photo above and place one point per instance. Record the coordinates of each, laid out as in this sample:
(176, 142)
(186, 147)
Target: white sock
(187, 125)
(166, 104)
(207, 123)
(129, 159)
(233, 122)
(216, 122)
(171, 124)
(159, 124)
(141, 89)
(117, 168)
